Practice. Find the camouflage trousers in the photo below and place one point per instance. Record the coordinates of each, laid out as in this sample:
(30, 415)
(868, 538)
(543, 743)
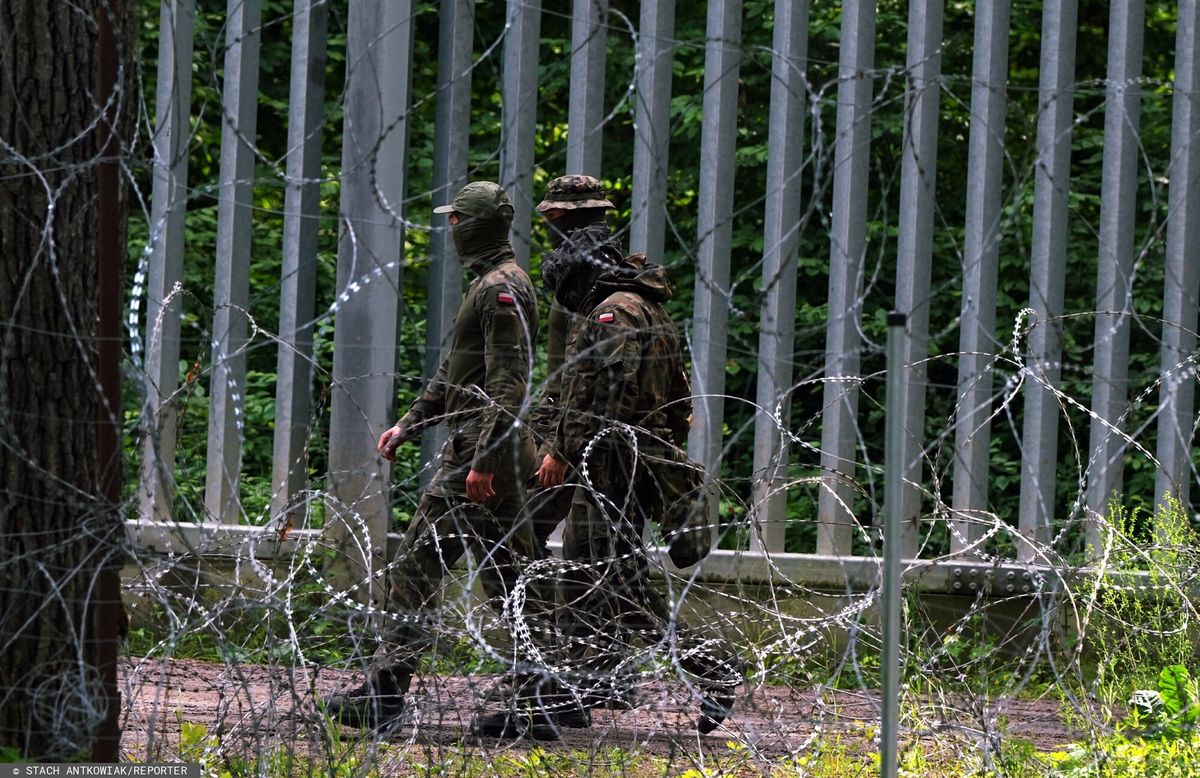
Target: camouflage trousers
(503, 544)
(610, 600)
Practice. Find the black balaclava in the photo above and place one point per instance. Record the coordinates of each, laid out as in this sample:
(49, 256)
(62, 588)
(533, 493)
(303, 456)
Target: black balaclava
(478, 237)
(571, 220)
(574, 287)
(579, 257)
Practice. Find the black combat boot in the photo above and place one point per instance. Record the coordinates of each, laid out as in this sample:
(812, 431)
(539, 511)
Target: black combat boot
(715, 706)
(537, 710)
(616, 693)
(572, 715)
(517, 722)
(375, 704)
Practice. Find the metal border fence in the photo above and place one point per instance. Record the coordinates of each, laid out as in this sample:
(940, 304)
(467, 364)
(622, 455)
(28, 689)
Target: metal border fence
(372, 222)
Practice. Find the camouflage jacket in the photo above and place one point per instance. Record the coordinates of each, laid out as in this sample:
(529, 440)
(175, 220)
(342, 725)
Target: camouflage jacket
(626, 363)
(482, 383)
(562, 329)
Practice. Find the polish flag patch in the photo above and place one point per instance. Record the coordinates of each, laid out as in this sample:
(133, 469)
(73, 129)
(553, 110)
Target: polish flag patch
(505, 298)
(606, 317)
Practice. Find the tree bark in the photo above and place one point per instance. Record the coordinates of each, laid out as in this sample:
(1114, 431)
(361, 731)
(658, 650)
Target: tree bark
(60, 528)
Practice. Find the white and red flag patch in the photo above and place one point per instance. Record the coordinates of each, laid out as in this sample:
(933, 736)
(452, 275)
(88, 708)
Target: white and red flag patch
(505, 298)
(606, 317)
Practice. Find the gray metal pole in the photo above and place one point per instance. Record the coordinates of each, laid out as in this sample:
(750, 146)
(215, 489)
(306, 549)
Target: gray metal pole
(585, 105)
(893, 518)
(1114, 275)
(848, 242)
(168, 209)
(456, 36)
(298, 276)
(231, 288)
(379, 45)
(781, 235)
(651, 128)
(981, 250)
(1176, 419)
(519, 91)
(914, 243)
(718, 138)
(1048, 270)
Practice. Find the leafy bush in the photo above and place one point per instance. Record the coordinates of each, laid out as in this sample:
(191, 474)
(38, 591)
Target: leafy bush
(1143, 618)
(1170, 711)
(1158, 738)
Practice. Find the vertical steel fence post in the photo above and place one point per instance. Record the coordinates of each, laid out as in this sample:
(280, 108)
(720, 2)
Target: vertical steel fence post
(231, 284)
(298, 275)
(781, 236)
(370, 246)
(893, 518)
(914, 242)
(847, 245)
(585, 105)
(1047, 273)
(1178, 362)
(519, 91)
(981, 248)
(718, 139)
(651, 128)
(168, 209)
(451, 139)
(1114, 274)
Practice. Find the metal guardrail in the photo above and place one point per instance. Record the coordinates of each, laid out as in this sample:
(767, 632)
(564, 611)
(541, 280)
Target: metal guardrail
(823, 572)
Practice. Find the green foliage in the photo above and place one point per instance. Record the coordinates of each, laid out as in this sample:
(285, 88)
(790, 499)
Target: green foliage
(202, 625)
(1181, 705)
(1122, 755)
(197, 746)
(1144, 622)
(533, 763)
(459, 658)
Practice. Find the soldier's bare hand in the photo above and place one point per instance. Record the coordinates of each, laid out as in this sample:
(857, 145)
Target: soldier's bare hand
(479, 486)
(389, 441)
(552, 472)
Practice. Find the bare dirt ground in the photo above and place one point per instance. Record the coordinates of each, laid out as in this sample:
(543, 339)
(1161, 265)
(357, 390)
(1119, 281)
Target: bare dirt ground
(256, 709)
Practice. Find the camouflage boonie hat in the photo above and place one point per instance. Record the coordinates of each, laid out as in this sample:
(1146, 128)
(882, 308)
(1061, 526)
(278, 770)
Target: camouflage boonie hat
(574, 191)
(481, 199)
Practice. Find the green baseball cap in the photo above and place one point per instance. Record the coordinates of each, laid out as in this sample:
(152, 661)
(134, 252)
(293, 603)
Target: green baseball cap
(480, 199)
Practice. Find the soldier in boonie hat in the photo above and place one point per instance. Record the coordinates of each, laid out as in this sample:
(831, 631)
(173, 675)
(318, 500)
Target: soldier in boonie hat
(574, 191)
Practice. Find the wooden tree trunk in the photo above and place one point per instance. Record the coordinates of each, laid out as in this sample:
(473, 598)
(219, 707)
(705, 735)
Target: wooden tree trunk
(59, 531)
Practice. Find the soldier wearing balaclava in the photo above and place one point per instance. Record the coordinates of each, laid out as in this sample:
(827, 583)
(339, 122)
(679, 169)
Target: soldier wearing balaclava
(474, 499)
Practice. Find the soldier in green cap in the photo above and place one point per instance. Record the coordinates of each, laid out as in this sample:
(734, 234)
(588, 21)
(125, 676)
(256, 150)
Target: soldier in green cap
(574, 209)
(474, 500)
(620, 427)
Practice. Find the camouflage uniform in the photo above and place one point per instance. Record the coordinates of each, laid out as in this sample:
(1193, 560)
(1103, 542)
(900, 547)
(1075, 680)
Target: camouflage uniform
(578, 234)
(479, 391)
(548, 507)
(624, 419)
